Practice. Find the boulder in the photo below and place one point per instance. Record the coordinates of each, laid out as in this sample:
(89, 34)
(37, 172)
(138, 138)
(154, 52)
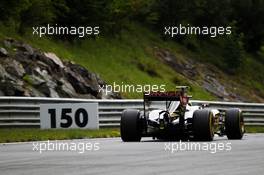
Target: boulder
(54, 58)
(66, 88)
(9, 88)
(15, 68)
(3, 52)
(85, 84)
(34, 80)
(25, 48)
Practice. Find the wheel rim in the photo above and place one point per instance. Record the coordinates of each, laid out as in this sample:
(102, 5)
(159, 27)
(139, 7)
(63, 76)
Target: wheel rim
(211, 125)
(241, 123)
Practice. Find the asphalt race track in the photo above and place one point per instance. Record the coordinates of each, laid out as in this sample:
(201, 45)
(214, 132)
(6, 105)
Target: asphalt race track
(148, 157)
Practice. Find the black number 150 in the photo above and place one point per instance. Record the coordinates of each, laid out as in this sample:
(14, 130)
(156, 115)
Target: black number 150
(67, 118)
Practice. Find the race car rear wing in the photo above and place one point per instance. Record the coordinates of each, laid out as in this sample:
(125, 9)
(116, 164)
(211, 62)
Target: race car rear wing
(163, 96)
(178, 95)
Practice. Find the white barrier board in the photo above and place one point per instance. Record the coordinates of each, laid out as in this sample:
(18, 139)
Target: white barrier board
(69, 115)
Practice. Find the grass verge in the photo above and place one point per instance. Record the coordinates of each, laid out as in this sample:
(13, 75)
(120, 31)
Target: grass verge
(34, 134)
(254, 129)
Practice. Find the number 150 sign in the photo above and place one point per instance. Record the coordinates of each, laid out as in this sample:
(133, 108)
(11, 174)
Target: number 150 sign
(69, 115)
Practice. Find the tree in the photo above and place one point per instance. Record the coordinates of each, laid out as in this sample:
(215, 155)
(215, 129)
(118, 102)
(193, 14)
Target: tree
(250, 21)
(38, 12)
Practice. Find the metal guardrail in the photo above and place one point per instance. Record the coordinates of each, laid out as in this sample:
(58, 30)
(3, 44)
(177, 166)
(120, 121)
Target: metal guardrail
(25, 111)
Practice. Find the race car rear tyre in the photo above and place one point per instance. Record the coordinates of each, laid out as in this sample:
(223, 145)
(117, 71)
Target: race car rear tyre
(131, 126)
(234, 124)
(203, 125)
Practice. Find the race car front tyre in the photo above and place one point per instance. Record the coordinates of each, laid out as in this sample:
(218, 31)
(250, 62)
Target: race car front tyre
(131, 126)
(203, 125)
(234, 124)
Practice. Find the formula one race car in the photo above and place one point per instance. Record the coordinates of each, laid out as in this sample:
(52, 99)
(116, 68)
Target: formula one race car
(170, 116)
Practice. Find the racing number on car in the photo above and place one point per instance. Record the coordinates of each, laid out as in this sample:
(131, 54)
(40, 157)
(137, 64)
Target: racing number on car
(80, 117)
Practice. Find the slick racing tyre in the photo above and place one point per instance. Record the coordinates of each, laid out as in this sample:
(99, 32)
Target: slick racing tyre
(203, 125)
(234, 124)
(131, 127)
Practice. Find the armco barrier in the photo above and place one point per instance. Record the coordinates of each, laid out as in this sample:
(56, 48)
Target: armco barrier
(24, 111)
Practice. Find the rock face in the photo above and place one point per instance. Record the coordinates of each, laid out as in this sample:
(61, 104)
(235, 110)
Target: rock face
(25, 71)
(207, 76)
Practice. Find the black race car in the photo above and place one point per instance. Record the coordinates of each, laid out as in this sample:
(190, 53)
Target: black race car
(170, 115)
